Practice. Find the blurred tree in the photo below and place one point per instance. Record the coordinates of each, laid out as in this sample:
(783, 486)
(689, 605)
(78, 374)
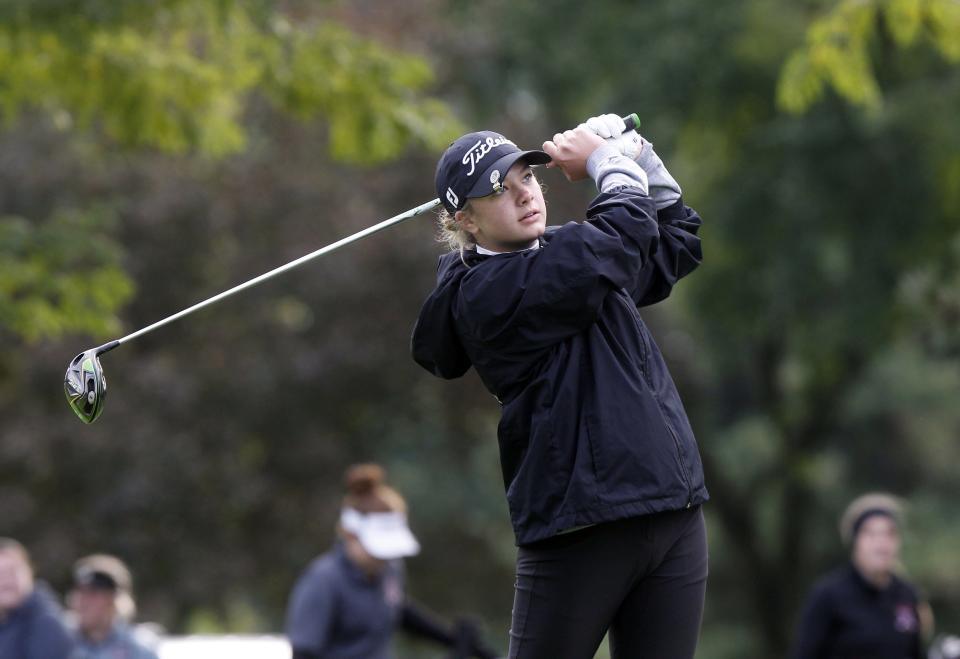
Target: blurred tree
(177, 76)
(815, 349)
(839, 44)
(52, 282)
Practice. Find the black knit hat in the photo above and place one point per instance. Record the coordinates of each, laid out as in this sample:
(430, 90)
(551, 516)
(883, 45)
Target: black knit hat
(864, 507)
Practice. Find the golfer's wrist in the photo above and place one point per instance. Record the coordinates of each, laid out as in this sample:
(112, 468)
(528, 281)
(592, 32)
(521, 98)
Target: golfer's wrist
(609, 168)
(663, 188)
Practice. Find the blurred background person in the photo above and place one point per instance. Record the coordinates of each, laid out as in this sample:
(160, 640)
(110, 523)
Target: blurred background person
(865, 609)
(102, 605)
(31, 623)
(944, 646)
(349, 601)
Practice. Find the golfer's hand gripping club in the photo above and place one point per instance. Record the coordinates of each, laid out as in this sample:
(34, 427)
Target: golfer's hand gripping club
(84, 383)
(571, 148)
(615, 131)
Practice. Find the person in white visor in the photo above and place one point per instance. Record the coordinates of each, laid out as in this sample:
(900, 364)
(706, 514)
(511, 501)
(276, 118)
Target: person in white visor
(350, 600)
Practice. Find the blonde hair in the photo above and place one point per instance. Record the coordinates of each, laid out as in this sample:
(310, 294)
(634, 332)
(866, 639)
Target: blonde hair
(450, 232)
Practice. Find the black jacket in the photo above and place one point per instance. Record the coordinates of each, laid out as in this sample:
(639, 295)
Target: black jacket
(845, 617)
(592, 427)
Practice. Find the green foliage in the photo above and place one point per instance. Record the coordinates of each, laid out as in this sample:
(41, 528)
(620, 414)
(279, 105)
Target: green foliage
(63, 275)
(816, 348)
(362, 88)
(841, 43)
(177, 76)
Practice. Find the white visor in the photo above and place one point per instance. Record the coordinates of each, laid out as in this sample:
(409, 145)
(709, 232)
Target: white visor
(383, 535)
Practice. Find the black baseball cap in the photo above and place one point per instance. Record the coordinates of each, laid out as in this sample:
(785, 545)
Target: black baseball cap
(474, 165)
(101, 572)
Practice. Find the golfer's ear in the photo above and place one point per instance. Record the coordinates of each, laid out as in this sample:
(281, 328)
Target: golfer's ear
(465, 220)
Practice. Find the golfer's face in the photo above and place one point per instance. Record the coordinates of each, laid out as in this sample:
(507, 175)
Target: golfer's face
(511, 219)
(877, 546)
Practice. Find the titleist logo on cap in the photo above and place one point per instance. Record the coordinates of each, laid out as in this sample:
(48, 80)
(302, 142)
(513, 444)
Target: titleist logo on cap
(476, 153)
(485, 153)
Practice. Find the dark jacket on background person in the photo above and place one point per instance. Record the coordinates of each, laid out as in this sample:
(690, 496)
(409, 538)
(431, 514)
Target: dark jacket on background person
(336, 611)
(592, 427)
(846, 617)
(35, 629)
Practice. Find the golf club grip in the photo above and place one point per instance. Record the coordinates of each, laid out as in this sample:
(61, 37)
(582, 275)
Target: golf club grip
(632, 121)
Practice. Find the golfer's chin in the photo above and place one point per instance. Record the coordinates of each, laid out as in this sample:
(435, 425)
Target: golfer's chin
(535, 226)
(532, 237)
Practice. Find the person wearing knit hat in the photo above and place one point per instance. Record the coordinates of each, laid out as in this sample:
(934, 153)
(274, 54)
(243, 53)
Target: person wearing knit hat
(865, 609)
(102, 605)
(349, 601)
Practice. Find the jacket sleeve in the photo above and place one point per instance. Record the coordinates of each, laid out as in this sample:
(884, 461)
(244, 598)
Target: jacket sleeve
(463, 636)
(677, 255)
(309, 617)
(811, 633)
(434, 343)
(49, 639)
(417, 621)
(541, 297)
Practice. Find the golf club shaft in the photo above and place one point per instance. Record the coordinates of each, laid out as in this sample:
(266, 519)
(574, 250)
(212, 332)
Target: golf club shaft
(396, 219)
(632, 122)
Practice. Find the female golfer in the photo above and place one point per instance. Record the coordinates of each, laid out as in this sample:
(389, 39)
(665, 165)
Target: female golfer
(602, 472)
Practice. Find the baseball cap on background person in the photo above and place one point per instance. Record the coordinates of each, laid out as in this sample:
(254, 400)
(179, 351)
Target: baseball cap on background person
(475, 164)
(107, 573)
(376, 514)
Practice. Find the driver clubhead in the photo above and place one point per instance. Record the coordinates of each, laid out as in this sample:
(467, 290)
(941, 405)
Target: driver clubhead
(85, 386)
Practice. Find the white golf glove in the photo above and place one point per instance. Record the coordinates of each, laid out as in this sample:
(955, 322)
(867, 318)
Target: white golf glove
(611, 128)
(664, 189)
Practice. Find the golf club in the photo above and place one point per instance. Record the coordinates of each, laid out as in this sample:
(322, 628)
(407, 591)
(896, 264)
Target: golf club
(84, 383)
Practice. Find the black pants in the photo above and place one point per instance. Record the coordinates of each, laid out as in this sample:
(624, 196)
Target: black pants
(643, 579)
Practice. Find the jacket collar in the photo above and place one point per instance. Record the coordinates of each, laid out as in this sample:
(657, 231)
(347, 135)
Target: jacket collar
(866, 584)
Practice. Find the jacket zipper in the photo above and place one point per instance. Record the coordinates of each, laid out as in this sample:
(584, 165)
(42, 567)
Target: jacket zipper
(645, 358)
(683, 465)
(645, 355)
